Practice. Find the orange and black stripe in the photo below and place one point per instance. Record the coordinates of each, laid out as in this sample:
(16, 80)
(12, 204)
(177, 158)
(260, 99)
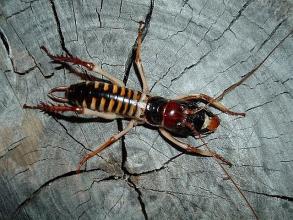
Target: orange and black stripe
(104, 97)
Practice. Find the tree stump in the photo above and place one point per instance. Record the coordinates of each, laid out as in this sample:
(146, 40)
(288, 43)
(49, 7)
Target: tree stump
(194, 46)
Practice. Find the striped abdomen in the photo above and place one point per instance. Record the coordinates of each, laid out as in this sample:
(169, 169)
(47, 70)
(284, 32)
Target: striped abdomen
(105, 97)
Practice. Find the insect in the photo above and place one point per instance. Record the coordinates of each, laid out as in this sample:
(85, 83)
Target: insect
(180, 117)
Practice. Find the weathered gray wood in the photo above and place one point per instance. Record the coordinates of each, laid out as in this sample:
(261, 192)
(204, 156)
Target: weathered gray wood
(191, 46)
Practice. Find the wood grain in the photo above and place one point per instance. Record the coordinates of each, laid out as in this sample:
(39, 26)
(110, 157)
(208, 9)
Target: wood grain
(189, 47)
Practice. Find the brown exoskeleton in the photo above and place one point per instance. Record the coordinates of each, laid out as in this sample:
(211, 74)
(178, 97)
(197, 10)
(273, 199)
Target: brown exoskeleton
(181, 116)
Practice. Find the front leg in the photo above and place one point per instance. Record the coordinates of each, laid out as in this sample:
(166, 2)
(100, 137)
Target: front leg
(88, 65)
(211, 101)
(190, 149)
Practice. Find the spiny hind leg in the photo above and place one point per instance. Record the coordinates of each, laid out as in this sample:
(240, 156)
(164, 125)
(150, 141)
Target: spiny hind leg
(88, 65)
(211, 101)
(48, 108)
(106, 144)
(138, 63)
(188, 148)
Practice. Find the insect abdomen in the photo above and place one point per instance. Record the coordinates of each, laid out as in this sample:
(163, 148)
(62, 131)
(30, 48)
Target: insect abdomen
(104, 97)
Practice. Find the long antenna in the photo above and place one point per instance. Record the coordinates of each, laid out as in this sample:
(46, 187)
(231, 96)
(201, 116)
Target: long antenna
(251, 72)
(232, 179)
(221, 96)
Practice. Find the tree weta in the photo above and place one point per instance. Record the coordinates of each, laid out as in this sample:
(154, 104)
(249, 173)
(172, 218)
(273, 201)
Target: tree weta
(179, 117)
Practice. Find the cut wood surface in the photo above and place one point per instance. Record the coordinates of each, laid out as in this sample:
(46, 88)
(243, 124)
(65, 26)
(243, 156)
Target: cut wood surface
(195, 46)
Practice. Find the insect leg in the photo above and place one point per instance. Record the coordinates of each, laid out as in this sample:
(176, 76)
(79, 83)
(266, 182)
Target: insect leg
(145, 88)
(65, 108)
(106, 144)
(211, 101)
(188, 148)
(54, 108)
(88, 65)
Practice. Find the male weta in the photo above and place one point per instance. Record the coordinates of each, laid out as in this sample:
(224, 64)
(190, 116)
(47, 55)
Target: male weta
(181, 116)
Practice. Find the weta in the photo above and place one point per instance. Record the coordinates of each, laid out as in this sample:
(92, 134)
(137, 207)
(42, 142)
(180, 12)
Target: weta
(180, 117)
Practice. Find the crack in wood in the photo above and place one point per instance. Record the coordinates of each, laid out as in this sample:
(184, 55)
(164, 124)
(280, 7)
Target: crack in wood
(99, 17)
(283, 197)
(70, 135)
(253, 71)
(5, 42)
(128, 65)
(139, 197)
(257, 106)
(164, 166)
(36, 192)
(234, 19)
(271, 34)
(162, 77)
(36, 65)
(120, 8)
(181, 30)
(57, 20)
(281, 59)
(18, 12)
(194, 65)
